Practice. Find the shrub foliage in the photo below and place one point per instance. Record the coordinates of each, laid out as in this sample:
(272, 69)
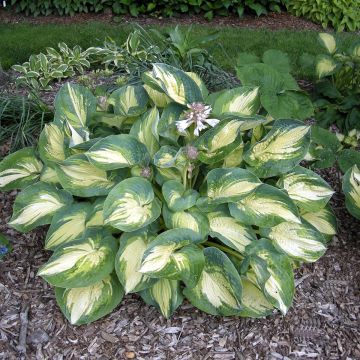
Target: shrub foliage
(170, 192)
(339, 14)
(156, 7)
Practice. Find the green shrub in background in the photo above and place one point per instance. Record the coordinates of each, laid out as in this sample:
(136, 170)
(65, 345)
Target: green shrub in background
(209, 8)
(170, 192)
(339, 14)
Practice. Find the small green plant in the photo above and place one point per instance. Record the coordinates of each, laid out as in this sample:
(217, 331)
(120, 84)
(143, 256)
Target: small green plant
(340, 14)
(170, 192)
(21, 121)
(280, 95)
(41, 70)
(337, 91)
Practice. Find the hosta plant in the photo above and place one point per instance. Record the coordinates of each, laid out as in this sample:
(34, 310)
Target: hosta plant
(270, 78)
(337, 90)
(171, 193)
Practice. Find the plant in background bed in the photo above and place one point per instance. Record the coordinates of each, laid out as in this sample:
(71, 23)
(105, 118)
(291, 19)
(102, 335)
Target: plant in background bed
(337, 92)
(270, 78)
(340, 14)
(209, 8)
(171, 193)
(41, 70)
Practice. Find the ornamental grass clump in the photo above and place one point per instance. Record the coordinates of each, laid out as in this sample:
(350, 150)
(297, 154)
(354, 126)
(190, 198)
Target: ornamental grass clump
(171, 193)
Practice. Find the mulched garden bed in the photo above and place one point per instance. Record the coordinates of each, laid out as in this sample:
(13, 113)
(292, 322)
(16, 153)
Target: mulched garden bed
(272, 21)
(323, 322)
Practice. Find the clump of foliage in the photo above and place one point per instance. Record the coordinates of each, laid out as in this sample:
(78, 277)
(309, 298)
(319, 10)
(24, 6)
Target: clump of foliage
(328, 150)
(209, 8)
(178, 48)
(337, 92)
(170, 192)
(339, 14)
(21, 121)
(270, 78)
(42, 69)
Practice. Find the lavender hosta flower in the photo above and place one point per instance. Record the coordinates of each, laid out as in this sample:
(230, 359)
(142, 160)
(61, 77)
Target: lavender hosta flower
(197, 114)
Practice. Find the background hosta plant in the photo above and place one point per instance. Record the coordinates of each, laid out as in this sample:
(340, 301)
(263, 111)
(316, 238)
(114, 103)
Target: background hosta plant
(171, 192)
(279, 93)
(337, 90)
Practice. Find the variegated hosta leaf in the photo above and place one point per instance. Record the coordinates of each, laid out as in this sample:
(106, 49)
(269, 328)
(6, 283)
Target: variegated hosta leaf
(230, 231)
(235, 158)
(81, 178)
(36, 205)
(219, 290)
(165, 295)
(228, 185)
(247, 122)
(244, 100)
(328, 42)
(128, 261)
(118, 151)
(218, 142)
(19, 169)
(199, 83)
(167, 127)
(325, 66)
(166, 157)
(300, 241)
(145, 130)
(165, 174)
(309, 191)
(273, 272)
(52, 147)
(86, 304)
(176, 84)
(253, 301)
(129, 100)
(49, 175)
(131, 205)
(159, 99)
(323, 220)
(67, 225)
(280, 150)
(96, 217)
(351, 189)
(265, 206)
(174, 255)
(74, 105)
(191, 219)
(83, 262)
(177, 197)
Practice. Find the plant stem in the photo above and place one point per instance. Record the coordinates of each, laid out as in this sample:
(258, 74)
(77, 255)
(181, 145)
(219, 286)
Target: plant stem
(224, 248)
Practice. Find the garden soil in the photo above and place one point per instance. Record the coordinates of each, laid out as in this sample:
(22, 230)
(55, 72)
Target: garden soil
(323, 322)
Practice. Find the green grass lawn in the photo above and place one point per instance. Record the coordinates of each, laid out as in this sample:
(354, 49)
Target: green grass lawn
(19, 41)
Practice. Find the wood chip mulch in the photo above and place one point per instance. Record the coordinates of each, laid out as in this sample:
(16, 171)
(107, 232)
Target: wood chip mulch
(273, 21)
(323, 322)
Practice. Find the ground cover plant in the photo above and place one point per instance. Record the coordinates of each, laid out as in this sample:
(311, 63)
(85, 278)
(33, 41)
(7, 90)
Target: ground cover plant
(339, 14)
(171, 192)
